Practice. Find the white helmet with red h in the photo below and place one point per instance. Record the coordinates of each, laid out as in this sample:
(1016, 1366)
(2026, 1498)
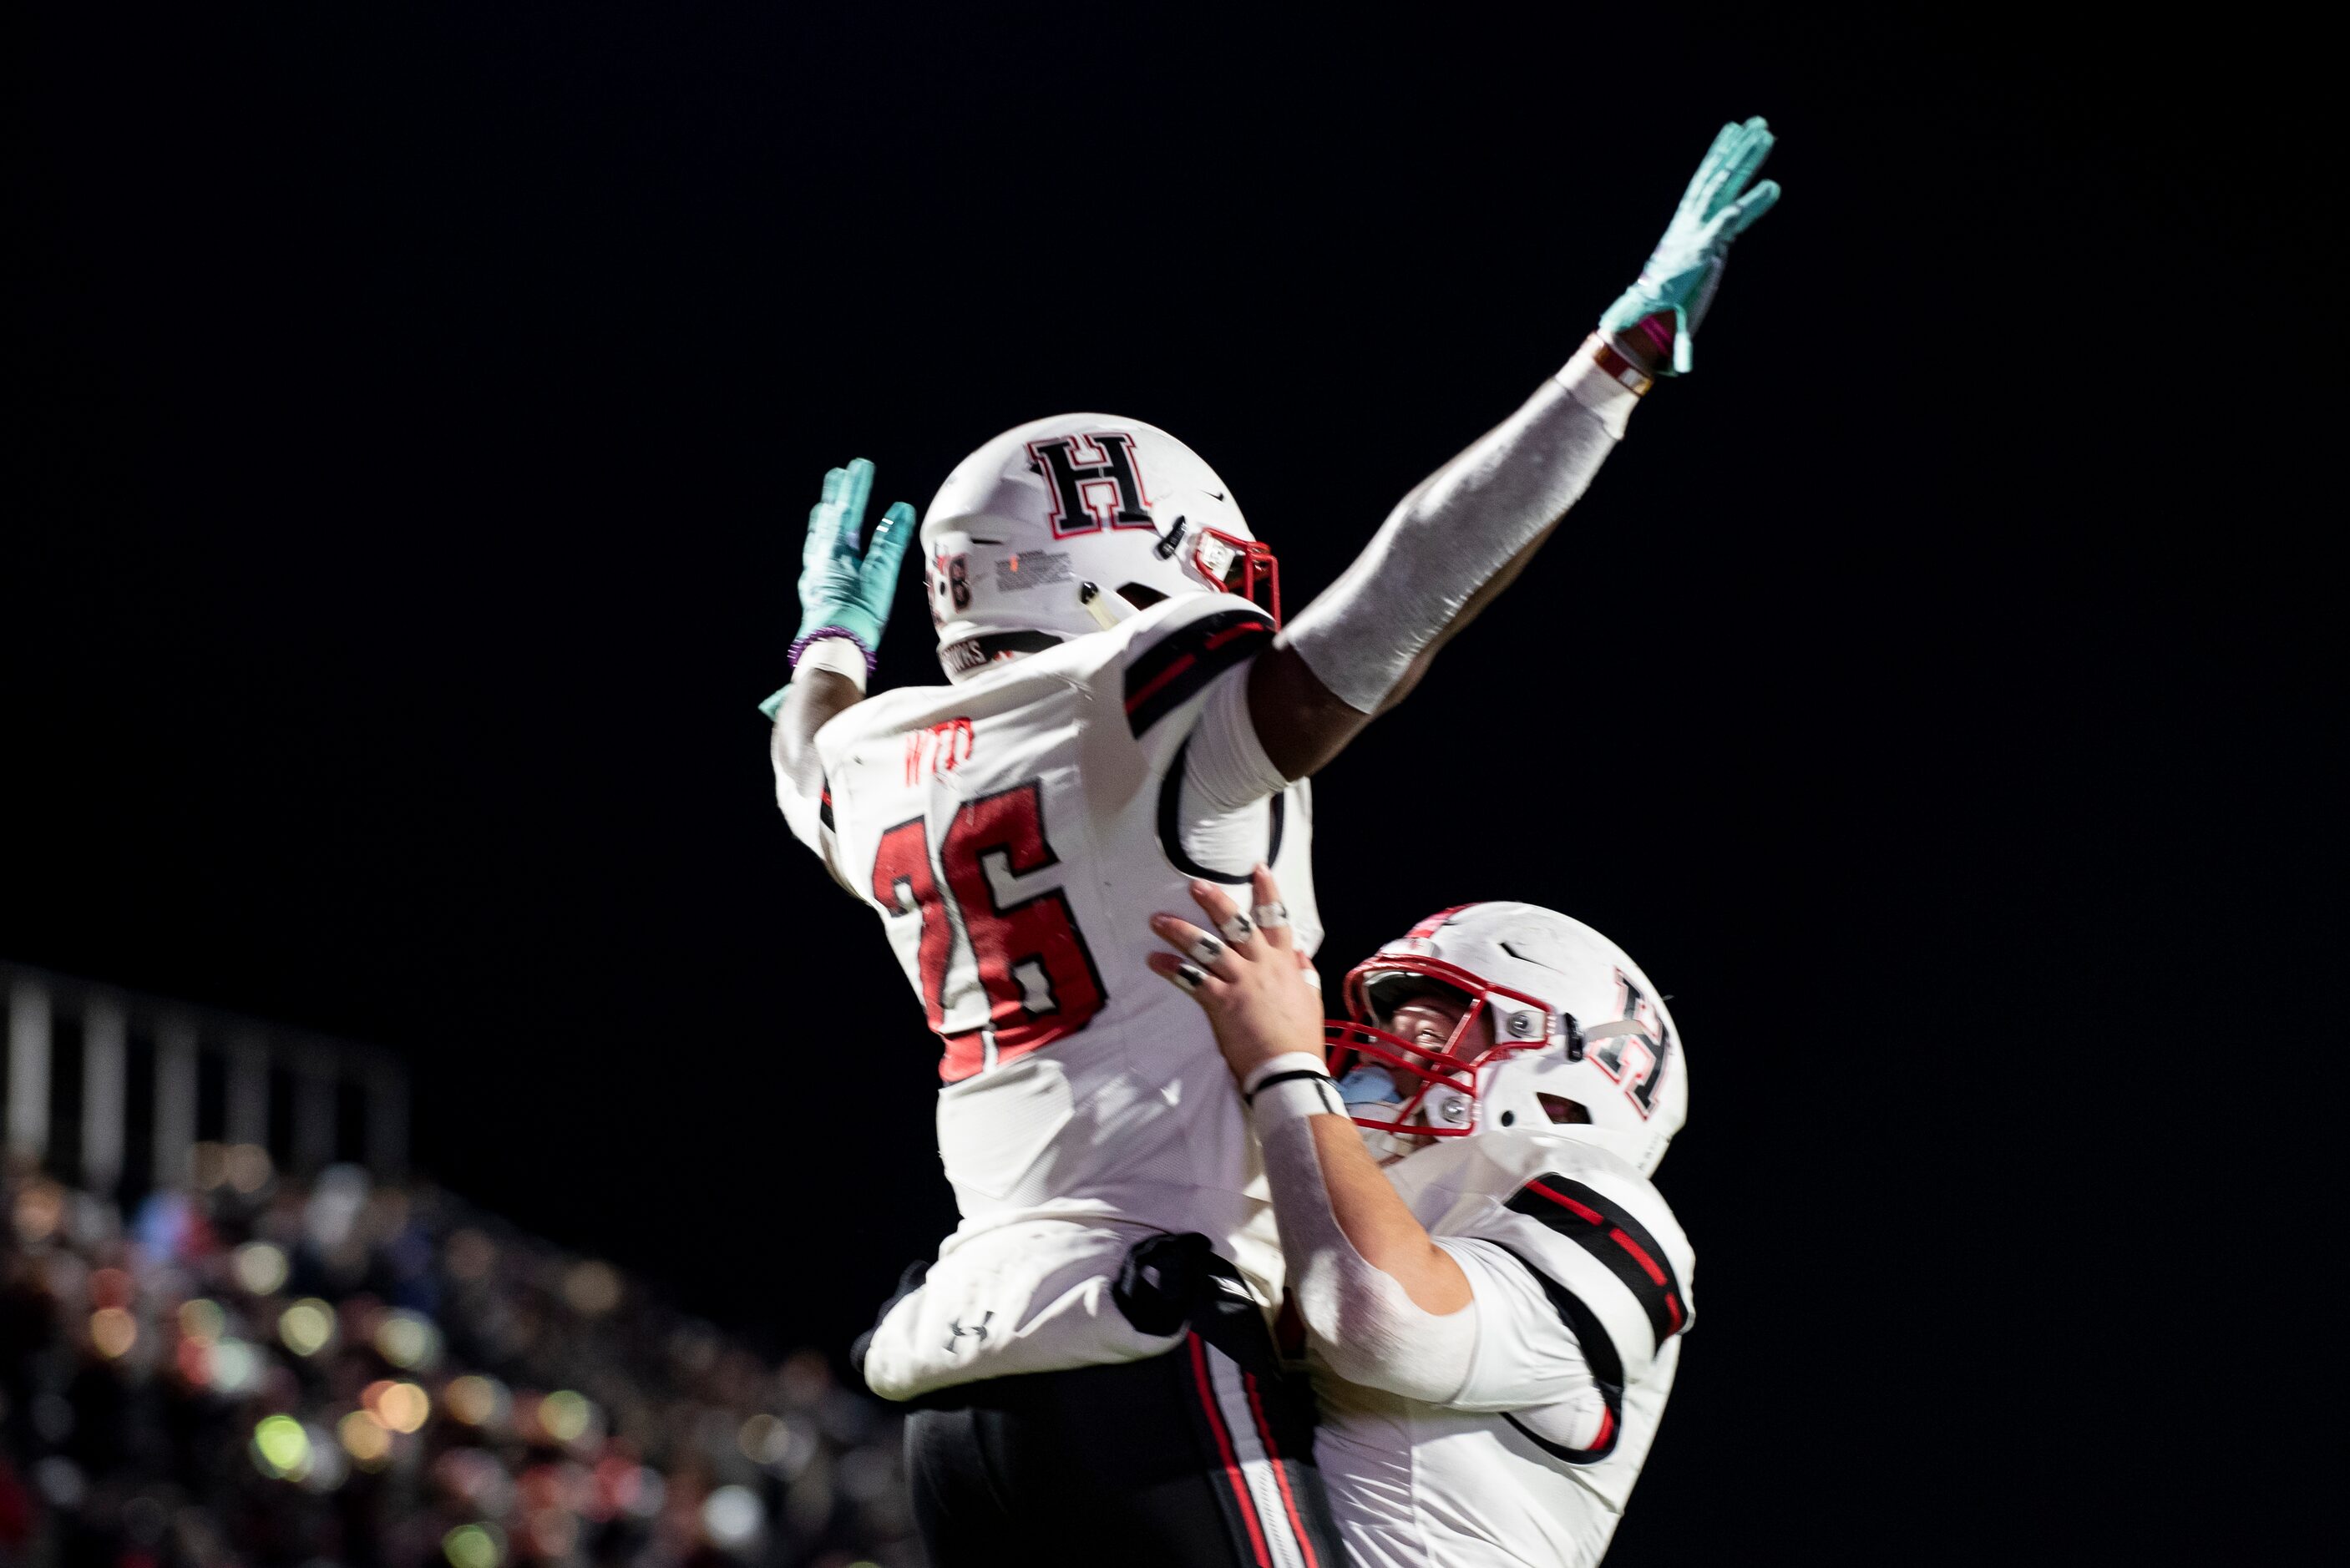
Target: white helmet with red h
(1066, 525)
(1560, 1026)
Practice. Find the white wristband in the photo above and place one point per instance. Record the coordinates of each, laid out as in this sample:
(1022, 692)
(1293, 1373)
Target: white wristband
(1605, 382)
(1290, 1088)
(837, 654)
(1287, 1062)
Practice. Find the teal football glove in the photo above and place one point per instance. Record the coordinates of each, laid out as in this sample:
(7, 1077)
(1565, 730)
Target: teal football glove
(845, 591)
(1685, 268)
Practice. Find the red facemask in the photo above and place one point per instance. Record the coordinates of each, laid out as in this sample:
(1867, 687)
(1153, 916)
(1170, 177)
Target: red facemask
(1437, 1085)
(1251, 566)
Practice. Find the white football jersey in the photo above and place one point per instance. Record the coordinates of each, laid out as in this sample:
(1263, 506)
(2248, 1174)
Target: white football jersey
(1015, 833)
(1581, 1277)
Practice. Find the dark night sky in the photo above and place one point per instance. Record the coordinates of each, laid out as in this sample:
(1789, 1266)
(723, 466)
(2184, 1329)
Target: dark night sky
(417, 408)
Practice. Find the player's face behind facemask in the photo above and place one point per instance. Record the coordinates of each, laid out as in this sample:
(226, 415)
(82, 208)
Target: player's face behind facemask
(1441, 1026)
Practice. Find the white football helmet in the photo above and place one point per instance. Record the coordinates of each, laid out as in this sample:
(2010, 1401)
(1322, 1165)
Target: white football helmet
(1573, 1022)
(1025, 521)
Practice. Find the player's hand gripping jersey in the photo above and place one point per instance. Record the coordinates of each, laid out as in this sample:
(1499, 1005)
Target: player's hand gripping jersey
(1582, 1282)
(1012, 831)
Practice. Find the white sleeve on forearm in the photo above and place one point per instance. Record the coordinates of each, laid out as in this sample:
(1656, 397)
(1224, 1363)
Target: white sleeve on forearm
(1464, 523)
(805, 811)
(1363, 1326)
(1225, 762)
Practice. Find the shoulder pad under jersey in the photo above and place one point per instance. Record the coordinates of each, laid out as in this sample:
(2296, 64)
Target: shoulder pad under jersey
(1597, 1234)
(1176, 648)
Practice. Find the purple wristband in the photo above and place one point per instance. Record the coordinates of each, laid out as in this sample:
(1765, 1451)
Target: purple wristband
(800, 645)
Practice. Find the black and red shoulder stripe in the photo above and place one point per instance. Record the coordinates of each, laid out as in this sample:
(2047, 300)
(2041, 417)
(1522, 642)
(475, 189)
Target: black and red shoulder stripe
(1172, 671)
(1598, 1353)
(1606, 1230)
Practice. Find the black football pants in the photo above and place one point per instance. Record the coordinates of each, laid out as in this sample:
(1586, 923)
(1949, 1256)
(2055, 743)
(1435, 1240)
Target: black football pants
(1185, 1460)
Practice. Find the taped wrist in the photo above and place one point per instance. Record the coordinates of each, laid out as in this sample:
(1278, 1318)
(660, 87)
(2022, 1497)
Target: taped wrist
(1462, 525)
(1294, 1084)
(839, 653)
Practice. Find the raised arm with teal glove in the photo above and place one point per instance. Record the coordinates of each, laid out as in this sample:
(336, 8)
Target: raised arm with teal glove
(845, 590)
(1685, 268)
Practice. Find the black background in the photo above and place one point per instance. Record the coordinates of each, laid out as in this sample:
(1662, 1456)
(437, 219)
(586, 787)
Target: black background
(417, 408)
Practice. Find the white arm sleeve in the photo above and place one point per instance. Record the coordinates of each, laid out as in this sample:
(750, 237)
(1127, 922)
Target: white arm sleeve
(1225, 763)
(805, 813)
(1364, 1327)
(1465, 522)
(802, 811)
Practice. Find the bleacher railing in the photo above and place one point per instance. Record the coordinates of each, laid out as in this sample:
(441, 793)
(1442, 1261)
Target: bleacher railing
(112, 1090)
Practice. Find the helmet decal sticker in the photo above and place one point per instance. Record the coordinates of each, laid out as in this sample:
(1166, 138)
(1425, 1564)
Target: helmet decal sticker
(1636, 1061)
(1032, 569)
(1095, 481)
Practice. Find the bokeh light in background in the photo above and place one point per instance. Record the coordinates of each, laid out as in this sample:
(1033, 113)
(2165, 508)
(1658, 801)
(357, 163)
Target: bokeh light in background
(408, 1340)
(201, 1320)
(261, 1268)
(565, 1415)
(38, 1212)
(477, 1480)
(327, 1468)
(401, 1406)
(241, 1168)
(592, 1288)
(281, 1446)
(733, 1516)
(364, 1438)
(493, 1400)
(477, 1401)
(112, 1331)
(764, 1439)
(248, 1168)
(236, 1367)
(307, 1327)
(474, 1546)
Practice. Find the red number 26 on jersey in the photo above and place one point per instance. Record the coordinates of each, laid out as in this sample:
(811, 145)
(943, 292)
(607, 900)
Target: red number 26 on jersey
(1027, 957)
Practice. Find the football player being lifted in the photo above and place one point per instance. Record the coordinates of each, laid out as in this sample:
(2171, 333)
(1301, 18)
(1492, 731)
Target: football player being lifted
(1493, 1319)
(1126, 712)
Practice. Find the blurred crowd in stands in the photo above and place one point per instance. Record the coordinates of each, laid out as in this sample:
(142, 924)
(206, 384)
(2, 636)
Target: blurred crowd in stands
(256, 1372)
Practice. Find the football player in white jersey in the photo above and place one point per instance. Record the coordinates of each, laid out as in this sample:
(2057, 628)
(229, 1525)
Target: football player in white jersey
(1126, 712)
(1493, 1319)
